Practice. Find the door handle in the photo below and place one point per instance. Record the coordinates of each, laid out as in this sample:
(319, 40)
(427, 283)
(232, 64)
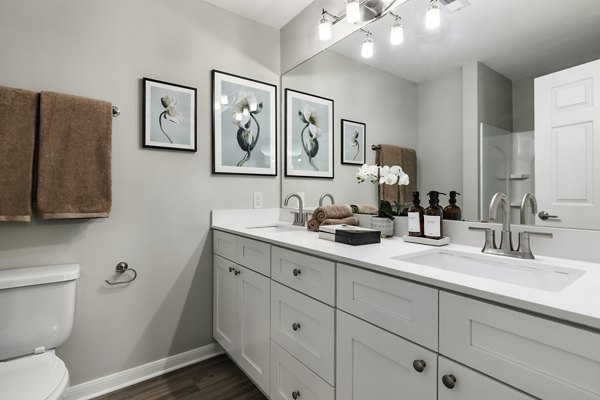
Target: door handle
(544, 216)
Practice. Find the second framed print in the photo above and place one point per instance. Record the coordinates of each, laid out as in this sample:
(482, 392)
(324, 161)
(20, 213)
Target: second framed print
(353, 142)
(244, 125)
(308, 135)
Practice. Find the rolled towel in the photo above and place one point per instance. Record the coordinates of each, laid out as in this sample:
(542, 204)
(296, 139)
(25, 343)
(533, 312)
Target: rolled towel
(334, 211)
(18, 125)
(340, 221)
(313, 225)
(364, 209)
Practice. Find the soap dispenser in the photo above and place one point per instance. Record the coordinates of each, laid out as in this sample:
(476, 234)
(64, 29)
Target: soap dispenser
(452, 211)
(433, 216)
(415, 217)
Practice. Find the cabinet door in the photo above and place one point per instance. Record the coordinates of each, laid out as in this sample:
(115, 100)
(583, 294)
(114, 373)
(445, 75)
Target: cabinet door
(375, 364)
(253, 350)
(466, 384)
(224, 303)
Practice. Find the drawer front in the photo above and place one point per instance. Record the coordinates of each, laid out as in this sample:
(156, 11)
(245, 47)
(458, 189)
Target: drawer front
(305, 328)
(254, 255)
(404, 308)
(376, 364)
(310, 275)
(471, 385)
(290, 377)
(544, 358)
(225, 245)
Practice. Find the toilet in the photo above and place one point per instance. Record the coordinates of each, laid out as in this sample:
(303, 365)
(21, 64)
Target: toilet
(37, 306)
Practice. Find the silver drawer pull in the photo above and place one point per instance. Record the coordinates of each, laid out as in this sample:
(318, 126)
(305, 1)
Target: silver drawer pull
(297, 271)
(296, 326)
(295, 394)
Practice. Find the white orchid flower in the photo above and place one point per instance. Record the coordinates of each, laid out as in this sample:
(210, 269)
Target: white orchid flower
(171, 112)
(309, 116)
(243, 104)
(354, 139)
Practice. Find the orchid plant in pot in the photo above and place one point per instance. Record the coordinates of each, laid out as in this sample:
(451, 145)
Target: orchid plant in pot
(384, 175)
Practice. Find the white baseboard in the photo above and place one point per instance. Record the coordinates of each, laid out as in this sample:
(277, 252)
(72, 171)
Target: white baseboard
(110, 383)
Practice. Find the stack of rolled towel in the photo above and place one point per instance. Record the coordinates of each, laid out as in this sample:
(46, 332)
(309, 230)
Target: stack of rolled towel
(364, 209)
(334, 214)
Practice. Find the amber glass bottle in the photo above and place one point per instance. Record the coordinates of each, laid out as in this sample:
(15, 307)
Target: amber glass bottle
(452, 211)
(433, 217)
(415, 217)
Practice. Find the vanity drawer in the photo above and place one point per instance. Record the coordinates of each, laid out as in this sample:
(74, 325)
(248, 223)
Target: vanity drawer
(289, 376)
(544, 358)
(404, 308)
(305, 328)
(254, 255)
(311, 275)
(225, 245)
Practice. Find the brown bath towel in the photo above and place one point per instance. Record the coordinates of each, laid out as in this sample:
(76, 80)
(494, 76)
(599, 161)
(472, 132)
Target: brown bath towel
(339, 221)
(407, 159)
(18, 125)
(332, 211)
(364, 209)
(313, 225)
(74, 167)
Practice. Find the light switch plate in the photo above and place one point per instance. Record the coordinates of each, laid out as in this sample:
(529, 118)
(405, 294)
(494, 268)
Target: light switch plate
(258, 200)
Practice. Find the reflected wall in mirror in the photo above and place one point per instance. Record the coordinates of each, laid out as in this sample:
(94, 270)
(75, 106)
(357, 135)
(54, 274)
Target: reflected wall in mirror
(463, 96)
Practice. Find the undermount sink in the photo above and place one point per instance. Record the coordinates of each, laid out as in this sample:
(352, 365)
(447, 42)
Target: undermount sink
(528, 273)
(275, 228)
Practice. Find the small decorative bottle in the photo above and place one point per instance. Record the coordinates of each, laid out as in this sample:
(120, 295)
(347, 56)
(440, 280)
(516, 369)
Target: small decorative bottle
(433, 217)
(415, 217)
(452, 211)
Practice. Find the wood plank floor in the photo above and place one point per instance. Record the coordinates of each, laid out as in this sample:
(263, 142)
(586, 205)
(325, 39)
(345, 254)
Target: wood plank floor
(217, 378)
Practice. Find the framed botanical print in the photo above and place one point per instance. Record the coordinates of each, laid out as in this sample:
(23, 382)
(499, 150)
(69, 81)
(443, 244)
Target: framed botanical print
(244, 125)
(353, 142)
(169, 120)
(308, 135)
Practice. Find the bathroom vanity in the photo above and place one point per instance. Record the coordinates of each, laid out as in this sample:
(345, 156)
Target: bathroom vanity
(313, 319)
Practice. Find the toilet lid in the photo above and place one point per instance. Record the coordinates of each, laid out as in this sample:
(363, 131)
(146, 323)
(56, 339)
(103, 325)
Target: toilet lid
(38, 376)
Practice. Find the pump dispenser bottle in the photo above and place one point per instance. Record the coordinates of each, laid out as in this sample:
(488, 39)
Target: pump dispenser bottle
(452, 211)
(433, 217)
(415, 217)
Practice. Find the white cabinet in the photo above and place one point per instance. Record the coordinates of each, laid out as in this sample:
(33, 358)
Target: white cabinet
(457, 382)
(375, 364)
(241, 318)
(250, 253)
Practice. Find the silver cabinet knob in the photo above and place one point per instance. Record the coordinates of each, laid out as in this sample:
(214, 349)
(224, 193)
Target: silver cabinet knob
(449, 381)
(296, 326)
(297, 271)
(419, 365)
(237, 272)
(296, 394)
(231, 269)
(544, 216)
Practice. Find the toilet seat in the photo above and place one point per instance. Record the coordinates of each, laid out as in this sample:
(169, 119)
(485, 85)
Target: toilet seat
(33, 377)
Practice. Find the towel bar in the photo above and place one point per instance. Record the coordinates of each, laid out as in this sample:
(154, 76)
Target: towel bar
(115, 111)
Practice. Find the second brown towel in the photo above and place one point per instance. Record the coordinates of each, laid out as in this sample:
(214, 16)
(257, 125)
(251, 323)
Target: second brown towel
(74, 167)
(334, 211)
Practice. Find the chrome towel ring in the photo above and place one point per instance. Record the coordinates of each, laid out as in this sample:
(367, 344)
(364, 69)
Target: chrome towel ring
(120, 269)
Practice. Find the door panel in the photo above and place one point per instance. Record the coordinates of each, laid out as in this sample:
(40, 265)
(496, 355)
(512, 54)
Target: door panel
(224, 299)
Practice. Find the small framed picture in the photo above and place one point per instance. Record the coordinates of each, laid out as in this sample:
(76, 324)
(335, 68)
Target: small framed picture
(353, 142)
(308, 135)
(169, 116)
(244, 125)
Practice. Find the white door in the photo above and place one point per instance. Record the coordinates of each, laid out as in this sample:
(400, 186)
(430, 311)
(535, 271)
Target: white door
(567, 147)
(457, 382)
(253, 313)
(375, 364)
(224, 302)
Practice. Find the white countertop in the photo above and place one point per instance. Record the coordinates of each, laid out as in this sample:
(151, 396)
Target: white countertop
(578, 303)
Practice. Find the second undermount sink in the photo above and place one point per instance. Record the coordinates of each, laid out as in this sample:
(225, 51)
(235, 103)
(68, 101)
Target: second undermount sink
(528, 273)
(275, 228)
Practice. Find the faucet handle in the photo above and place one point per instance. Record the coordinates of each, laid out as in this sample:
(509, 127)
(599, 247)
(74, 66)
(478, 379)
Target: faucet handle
(524, 245)
(490, 237)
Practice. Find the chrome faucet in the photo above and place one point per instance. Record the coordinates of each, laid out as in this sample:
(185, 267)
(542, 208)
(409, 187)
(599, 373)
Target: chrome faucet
(505, 236)
(529, 198)
(323, 198)
(299, 217)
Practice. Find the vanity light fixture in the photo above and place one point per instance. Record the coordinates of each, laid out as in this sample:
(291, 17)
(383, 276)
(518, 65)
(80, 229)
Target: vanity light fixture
(397, 31)
(433, 15)
(366, 50)
(352, 11)
(324, 27)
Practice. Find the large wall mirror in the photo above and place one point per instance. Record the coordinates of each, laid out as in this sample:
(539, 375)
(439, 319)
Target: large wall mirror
(466, 96)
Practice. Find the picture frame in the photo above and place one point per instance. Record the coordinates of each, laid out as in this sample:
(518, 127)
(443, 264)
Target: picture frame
(308, 135)
(353, 142)
(244, 125)
(169, 116)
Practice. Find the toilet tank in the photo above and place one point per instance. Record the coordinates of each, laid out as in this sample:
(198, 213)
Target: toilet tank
(37, 306)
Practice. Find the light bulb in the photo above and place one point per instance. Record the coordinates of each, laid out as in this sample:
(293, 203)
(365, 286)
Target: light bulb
(366, 50)
(432, 16)
(397, 33)
(324, 28)
(352, 11)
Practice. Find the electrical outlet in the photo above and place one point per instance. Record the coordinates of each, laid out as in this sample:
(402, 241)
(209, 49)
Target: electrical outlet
(258, 200)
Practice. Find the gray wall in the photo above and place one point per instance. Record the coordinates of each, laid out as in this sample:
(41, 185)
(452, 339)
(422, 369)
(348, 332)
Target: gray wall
(162, 199)
(523, 105)
(386, 103)
(440, 135)
(494, 98)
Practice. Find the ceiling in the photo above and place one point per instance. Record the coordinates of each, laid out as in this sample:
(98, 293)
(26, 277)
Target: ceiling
(516, 38)
(274, 13)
